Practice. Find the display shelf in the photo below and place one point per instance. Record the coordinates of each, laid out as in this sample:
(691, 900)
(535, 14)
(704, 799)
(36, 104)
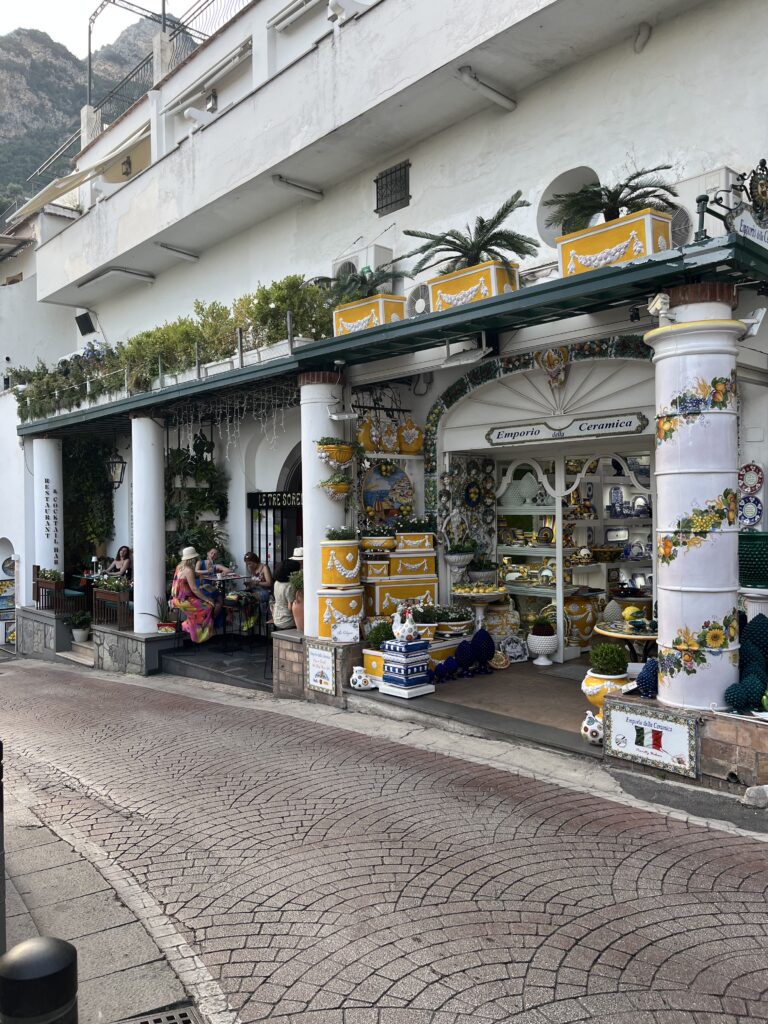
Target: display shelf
(621, 562)
(530, 551)
(511, 588)
(628, 520)
(525, 510)
(393, 455)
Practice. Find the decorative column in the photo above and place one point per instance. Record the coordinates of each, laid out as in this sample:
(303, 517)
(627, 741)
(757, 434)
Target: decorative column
(696, 495)
(48, 504)
(148, 466)
(319, 392)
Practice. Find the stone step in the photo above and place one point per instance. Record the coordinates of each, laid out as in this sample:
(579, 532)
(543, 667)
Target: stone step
(84, 649)
(81, 659)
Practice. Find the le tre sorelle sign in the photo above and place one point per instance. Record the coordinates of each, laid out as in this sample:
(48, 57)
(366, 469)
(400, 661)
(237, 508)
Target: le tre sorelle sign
(594, 426)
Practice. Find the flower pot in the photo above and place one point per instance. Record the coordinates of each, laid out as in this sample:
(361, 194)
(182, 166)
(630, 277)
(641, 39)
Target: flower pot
(472, 284)
(80, 636)
(415, 541)
(364, 313)
(457, 563)
(542, 647)
(336, 454)
(374, 664)
(339, 563)
(166, 628)
(297, 610)
(596, 687)
(337, 492)
(454, 628)
(617, 241)
(378, 543)
(338, 606)
(482, 575)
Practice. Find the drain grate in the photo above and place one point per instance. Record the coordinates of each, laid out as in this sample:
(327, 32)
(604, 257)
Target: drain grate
(181, 1015)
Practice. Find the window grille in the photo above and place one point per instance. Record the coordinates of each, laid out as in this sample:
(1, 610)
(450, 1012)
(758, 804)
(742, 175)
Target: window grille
(392, 188)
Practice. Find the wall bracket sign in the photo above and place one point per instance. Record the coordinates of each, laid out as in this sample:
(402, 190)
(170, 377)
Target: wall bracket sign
(588, 428)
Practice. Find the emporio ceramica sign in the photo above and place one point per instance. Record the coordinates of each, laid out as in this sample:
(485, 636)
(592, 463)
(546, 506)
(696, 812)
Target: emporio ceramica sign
(591, 427)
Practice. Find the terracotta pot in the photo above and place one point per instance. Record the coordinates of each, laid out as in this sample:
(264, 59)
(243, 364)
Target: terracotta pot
(297, 610)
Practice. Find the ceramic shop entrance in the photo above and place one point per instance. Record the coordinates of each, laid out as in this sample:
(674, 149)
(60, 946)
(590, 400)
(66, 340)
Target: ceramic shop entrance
(549, 466)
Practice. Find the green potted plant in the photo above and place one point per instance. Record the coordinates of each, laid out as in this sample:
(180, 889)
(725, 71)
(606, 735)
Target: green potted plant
(340, 533)
(377, 537)
(425, 617)
(165, 623)
(607, 673)
(414, 533)
(336, 486)
(542, 640)
(336, 451)
(80, 624)
(340, 561)
(475, 262)
(363, 299)
(637, 212)
(296, 580)
(454, 619)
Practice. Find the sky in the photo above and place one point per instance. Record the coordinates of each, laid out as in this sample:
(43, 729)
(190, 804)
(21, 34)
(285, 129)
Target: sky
(66, 21)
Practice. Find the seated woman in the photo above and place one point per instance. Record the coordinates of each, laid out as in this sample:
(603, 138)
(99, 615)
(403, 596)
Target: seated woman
(258, 580)
(187, 597)
(207, 569)
(282, 616)
(121, 566)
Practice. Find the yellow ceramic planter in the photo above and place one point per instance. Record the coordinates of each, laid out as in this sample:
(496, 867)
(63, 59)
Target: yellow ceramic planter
(614, 242)
(473, 284)
(366, 313)
(383, 596)
(426, 630)
(442, 649)
(341, 454)
(374, 664)
(378, 543)
(418, 564)
(375, 569)
(338, 606)
(339, 563)
(407, 542)
(596, 688)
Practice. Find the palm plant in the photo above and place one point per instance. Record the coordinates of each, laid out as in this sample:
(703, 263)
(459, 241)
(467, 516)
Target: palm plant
(572, 211)
(359, 284)
(453, 250)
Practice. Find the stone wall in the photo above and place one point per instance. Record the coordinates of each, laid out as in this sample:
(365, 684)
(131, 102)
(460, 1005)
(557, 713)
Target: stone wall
(131, 653)
(40, 634)
(290, 668)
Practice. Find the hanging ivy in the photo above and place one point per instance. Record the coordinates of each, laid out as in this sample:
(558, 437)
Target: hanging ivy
(195, 487)
(88, 510)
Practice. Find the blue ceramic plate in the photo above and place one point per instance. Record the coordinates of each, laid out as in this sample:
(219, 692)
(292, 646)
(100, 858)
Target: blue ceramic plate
(750, 510)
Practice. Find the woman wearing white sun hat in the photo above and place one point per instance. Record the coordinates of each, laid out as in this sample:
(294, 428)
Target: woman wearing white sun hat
(187, 597)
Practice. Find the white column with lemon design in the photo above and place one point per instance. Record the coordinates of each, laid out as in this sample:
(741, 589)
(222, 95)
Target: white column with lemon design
(695, 350)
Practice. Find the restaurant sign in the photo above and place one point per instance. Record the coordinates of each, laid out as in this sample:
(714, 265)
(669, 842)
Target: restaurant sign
(589, 428)
(274, 499)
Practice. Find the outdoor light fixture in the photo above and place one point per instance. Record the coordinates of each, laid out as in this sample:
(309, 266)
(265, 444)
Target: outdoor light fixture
(212, 101)
(470, 79)
(116, 469)
(753, 322)
(308, 191)
(464, 358)
(634, 314)
(183, 254)
(125, 167)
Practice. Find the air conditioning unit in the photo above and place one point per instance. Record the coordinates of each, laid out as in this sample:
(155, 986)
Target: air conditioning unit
(418, 302)
(685, 220)
(372, 256)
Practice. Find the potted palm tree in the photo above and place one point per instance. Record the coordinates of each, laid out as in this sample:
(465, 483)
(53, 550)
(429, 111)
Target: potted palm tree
(637, 213)
(360, 302)
(474, 262)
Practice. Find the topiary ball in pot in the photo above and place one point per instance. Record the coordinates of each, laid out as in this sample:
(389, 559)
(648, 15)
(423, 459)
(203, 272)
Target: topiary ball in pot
(648, 680)
(746, 694)
(750, 654)
(609, 659)
(756, 631)
(465, 657)
(483, 649)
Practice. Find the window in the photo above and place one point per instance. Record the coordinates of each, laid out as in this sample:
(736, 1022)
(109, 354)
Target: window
(392, 188)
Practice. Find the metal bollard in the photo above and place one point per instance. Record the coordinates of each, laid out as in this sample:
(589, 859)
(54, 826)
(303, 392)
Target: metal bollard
(38, 983)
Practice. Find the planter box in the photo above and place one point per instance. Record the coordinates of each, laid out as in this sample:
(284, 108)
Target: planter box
(374, 568)
(420, 563)
(374, 664)
(407, 542)
(473, 284)
(383, 596)
(338, 606)
(365, 313)
(210, 369)
(628, 238)
(339, 564)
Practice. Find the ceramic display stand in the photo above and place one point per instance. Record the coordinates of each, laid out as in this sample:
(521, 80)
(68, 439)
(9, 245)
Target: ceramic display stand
(755, 601)
(406, 668)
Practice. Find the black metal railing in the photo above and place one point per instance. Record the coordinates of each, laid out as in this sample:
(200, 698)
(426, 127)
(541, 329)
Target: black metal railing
(127, 92)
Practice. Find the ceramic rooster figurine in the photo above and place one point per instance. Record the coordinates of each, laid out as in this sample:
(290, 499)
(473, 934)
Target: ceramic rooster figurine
(404, 627)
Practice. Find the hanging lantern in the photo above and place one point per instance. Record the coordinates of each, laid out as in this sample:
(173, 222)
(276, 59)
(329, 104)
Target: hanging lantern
(116, 469)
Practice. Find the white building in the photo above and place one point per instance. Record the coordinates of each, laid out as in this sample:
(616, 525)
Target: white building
(264, 154)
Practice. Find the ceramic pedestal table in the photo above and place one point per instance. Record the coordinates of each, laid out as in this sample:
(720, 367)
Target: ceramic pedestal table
(696, 495)
(479, 603)
(615, 632)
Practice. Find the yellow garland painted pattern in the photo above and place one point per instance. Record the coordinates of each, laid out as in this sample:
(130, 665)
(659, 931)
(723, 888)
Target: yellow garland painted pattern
(691, 531)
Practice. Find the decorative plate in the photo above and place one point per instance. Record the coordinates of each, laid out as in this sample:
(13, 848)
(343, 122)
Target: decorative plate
(386, 496)
(489, 500)
(8, 566)
(750, 511)
(472, 494)
(489, 516)
(473, 468)
(489, 466)
(499, 660)
(750, 478)
(489, 482)
(545, 535)
(589, 491)
(616, 495)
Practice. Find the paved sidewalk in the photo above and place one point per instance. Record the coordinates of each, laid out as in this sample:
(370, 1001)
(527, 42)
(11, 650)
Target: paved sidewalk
(53, 890)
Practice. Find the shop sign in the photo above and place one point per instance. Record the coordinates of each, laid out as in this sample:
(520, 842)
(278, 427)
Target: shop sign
(345, 632)
(590, 428)
(320, 668)
(275, 499)
(743, 222)
(664, 739)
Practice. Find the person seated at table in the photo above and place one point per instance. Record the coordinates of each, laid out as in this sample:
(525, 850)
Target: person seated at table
(121, 566)
(207, 569)
(187, 597)
(258, 580)
(282, 616)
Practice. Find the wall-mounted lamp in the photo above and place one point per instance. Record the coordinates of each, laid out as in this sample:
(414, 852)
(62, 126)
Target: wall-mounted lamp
(308, 191)
(470, 79)
(125, 167)
(212, 101)
(116, 469)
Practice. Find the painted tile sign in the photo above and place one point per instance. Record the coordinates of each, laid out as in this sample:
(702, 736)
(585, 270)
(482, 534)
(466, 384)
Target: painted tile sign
(664, 739)
(320, 670)
(51, 513)
(598, 426)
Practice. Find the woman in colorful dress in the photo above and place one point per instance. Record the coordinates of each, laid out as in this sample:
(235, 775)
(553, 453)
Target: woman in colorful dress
(187, 597)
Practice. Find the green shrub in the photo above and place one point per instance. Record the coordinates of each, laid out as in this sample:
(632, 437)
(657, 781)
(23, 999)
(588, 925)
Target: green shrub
(78, 620)
(379, 633)
(609, 659)
(340, 532)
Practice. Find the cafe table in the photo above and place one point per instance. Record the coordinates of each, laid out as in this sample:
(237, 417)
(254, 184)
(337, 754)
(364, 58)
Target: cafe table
(224, 582)
(615, 631)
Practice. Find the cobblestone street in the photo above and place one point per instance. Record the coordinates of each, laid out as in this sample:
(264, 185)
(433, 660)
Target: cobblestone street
(322, 876)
